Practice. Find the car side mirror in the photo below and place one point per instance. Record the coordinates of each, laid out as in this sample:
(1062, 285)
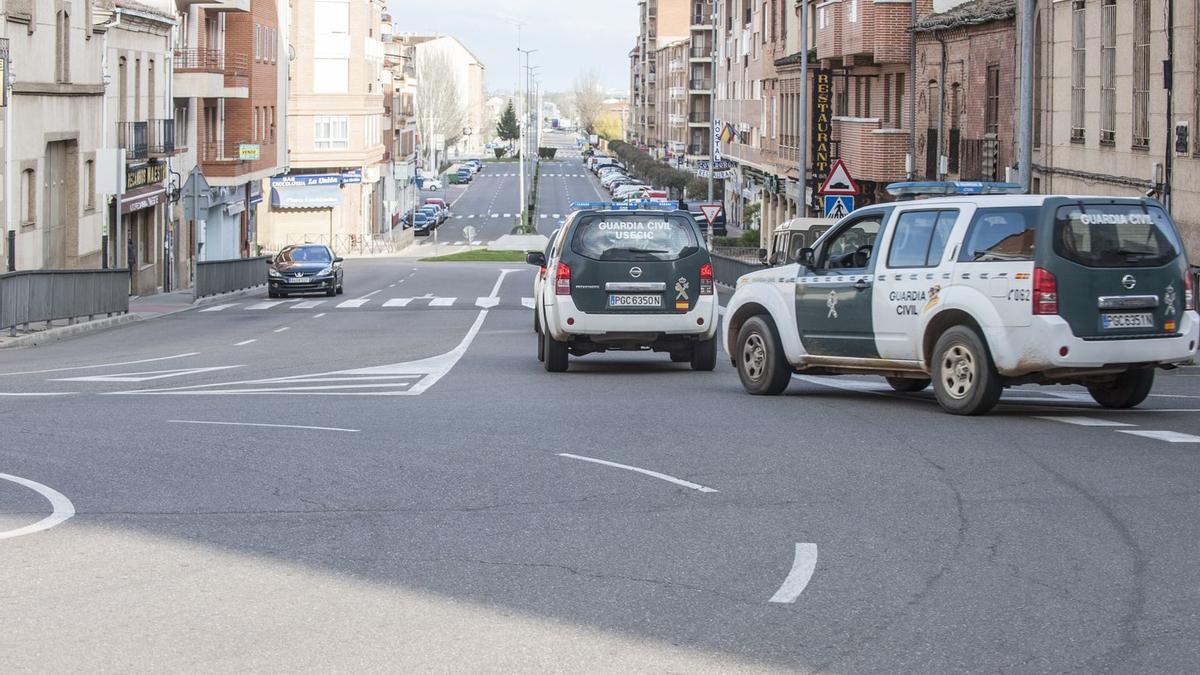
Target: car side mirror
(807, 257)
(762, 254)
(775, 258)
(338, 259)
(537, 259)
(270, 261)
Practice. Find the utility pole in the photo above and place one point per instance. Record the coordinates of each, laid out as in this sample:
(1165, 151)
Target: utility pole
(712, 108)
(1025, 105)
(802, 195)
(522, 139)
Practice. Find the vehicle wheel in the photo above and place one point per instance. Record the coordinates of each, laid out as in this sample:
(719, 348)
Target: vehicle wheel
(341, 289)
(1126, 391)
(681, 357)
(331, 292)
(272, 294)
(555, 354)
(704, 355)
(760, 360)
(907, 384)
(964, 378)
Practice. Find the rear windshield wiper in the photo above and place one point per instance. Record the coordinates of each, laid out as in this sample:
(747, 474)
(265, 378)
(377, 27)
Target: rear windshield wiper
(1131, 253)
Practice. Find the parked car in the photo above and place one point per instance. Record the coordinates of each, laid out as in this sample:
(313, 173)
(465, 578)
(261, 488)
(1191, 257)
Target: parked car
(431, 184)
(432, 213)
(464, 175)
(438, 201)
(306, 268)
(422, 224)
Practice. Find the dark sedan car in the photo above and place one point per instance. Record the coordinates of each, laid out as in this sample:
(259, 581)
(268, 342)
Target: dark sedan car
(307, 268)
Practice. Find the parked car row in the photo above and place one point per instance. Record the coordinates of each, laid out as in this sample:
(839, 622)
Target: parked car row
(427, 217)
(624, 187)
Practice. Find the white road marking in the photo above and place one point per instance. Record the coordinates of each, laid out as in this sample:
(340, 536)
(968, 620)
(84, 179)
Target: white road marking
(495, 215)
(646, 472)
(558, 215)
(103, 365)
(528, 302)
(803, 566)
(1082, 421)
(353, 304)
(47, 393)
(61, 508)
(508, 215)
(442, 302)
(370, 294)
(487, 303)
(145, 376)
(280, 330)
(243, 343)
(317, 316)
(458, 243)
(265, 305)
(270, 426)
(1168, 436)
(398, 302)
(544, 215)
(219, 308)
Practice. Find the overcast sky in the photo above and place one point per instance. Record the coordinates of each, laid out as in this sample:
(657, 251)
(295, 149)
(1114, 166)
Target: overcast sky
(570, 35)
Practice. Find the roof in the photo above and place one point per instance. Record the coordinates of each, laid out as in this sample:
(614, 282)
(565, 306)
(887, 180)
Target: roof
(971, 13)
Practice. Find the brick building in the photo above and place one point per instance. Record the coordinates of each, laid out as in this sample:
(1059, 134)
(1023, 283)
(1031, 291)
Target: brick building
(1108, 119)
(660, 22)
(966, 58)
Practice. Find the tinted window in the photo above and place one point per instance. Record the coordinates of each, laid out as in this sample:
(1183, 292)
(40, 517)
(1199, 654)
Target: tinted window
(305, 254)
(840, 251)
(920, 238)
(1001, 235)
(635, 236)
(1115, 235)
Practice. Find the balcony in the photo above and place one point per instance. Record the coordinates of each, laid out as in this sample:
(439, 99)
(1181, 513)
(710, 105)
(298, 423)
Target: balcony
(678, 93)
(700, 52)
(677, 120)
(211, 73)
(676, 66)
(701, 86)
(701, 117)
(143, 140)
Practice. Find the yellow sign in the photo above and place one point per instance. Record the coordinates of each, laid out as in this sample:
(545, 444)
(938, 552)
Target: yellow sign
(248, 152)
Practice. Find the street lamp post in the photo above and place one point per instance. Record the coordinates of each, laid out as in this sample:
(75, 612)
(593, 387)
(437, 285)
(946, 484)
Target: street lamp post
(802, 151)
(521, 138)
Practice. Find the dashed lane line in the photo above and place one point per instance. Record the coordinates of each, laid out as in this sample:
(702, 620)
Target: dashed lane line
(103, 365)
(268, 426)
(243, 343)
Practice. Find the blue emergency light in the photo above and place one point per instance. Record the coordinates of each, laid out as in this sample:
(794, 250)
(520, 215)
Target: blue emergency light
(933, 188)
(647, 204)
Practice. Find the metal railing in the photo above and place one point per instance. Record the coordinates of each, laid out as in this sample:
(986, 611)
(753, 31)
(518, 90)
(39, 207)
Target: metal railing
(703, 83)
(235, 66)
(729, 264)
(52, 295)
(162, 137)
(134, 138)
(230, 151)
(214, 277)
(701, 51)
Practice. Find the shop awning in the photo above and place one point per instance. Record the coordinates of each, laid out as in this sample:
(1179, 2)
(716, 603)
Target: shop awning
(305, 196)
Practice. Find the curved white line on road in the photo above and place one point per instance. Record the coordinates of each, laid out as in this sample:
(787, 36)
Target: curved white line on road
(258, 424)
(102, 365)
(62, 508)
(803, 566)
(645, 472)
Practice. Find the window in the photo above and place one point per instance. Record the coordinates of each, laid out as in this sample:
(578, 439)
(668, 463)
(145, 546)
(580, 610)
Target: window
(89, 185)
(1108, 72)
(991, 122)
(898, 116)
(62, 47)
(954, 137)
(1038, 83)
(331, 133)
(852, 12)
(844, 249)
(1141, 73)
(1078, 64)
(1001, 235)
(920, 238)
(151, 91)
(634, 238)
(28, 198)
(1102, 235)
(887, 101)
(257, 45)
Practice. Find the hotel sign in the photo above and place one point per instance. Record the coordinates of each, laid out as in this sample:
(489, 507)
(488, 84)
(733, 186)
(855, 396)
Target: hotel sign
(141, 175)
(822, 124)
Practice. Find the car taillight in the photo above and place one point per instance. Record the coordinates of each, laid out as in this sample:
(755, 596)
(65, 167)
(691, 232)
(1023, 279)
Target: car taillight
(706, 279)
(1189, 292)
(562, 280)
(1045, 292)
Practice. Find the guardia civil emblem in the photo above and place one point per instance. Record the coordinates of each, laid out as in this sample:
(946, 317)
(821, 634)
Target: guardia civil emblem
(1169, 300)
(681, 289)
(831, 303)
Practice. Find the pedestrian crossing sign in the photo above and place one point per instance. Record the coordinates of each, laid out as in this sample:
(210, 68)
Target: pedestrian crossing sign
(838, 206)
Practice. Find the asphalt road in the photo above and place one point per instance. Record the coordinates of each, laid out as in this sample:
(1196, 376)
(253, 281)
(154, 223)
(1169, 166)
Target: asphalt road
(414, 508)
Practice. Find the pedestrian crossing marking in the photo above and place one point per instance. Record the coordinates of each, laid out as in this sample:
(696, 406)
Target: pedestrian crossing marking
(508, 215)
(442, 302)
(266, 305)
(487, 302)
(219, 308)
(308, 304)
(495, 215)
(398, 302)
(354, 304)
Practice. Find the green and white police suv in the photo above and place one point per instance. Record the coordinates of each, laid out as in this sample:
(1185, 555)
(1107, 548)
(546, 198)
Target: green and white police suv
(977, 289)
(633, 277)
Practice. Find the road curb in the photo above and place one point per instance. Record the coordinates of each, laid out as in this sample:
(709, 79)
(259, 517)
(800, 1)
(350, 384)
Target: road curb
(65, 332)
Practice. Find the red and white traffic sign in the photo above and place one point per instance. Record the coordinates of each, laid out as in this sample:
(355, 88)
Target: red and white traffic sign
(839, 181)
(711, 211)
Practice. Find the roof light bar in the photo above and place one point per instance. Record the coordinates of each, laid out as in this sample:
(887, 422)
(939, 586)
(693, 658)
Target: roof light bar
(931, 188)
(648, 204)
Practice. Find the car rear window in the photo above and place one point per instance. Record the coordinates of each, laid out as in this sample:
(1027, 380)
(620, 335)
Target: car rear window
(1115, 235)
(628, 237)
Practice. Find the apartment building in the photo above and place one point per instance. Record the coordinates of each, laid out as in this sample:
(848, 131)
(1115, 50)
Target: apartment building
(53, 218)
(230, 57)
(333, 191)
(660, 22)
(468, 74)
(400, 126)
(699, 58)
(1109, 119)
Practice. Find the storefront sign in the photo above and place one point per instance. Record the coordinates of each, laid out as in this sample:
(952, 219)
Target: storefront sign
(249, 152)
(307, 179)
(145, 200)
(822, 124)
(724, 169)
(141, 175)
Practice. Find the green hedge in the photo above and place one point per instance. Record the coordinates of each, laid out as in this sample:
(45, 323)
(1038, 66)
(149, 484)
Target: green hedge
(678, 181)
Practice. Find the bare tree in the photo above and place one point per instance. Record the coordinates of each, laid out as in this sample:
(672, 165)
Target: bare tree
(439, 109)
(589, 99)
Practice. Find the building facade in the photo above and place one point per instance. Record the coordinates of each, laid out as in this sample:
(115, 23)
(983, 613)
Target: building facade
(1108, 119)
(333, 192)
(660, 22)
(467, 73)
(400, 128)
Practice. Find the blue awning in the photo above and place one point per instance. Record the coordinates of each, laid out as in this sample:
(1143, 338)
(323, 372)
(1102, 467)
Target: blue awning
(305, 196)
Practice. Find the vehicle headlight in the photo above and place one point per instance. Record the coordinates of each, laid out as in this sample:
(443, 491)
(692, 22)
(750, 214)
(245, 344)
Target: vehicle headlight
(272, 272)
(325, 272)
